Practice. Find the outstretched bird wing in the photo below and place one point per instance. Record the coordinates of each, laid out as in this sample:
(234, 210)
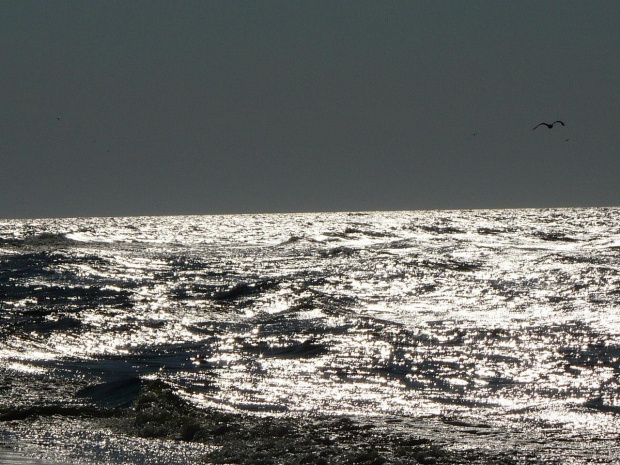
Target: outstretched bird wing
(541, 124)
(558, 121)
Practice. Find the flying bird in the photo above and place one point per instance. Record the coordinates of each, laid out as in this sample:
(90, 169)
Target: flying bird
(549, 125)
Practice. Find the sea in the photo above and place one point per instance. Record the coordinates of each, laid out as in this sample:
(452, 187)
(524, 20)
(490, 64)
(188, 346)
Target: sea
(432, 337)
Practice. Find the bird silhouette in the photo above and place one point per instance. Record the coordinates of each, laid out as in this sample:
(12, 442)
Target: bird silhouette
(549, 125)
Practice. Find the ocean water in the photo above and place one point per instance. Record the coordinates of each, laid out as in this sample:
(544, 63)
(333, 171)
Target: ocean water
(483, 336)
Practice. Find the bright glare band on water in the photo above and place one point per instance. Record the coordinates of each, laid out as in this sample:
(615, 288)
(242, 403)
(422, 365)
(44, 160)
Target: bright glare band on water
(504, 318)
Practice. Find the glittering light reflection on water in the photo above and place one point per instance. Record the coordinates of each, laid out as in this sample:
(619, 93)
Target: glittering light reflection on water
(502, 318)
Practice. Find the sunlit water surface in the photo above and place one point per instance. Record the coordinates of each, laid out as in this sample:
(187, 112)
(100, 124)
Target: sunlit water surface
(444, 322)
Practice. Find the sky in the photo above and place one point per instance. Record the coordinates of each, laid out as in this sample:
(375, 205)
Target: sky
(149, 107)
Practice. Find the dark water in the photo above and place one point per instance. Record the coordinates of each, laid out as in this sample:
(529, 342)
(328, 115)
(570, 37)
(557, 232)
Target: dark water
(380, 337)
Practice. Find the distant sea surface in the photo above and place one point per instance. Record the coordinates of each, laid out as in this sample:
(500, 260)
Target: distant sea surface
(482, 336)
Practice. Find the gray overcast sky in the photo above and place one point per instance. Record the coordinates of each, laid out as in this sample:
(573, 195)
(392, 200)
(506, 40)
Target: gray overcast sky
(164, 107)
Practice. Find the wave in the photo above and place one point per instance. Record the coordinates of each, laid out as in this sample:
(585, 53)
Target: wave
(235, 292)
(158, 412)
(244, 290)
(292, 240)
(46, 240)
(599, 405)
(554, 237)
(22, 413)
(494, 231)
(341, 251)
(452, 265)
(69, 296)
(351, 233)
(113, 394)
(243, 437)
(307, 348)
(441, 229)
(366, 232)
